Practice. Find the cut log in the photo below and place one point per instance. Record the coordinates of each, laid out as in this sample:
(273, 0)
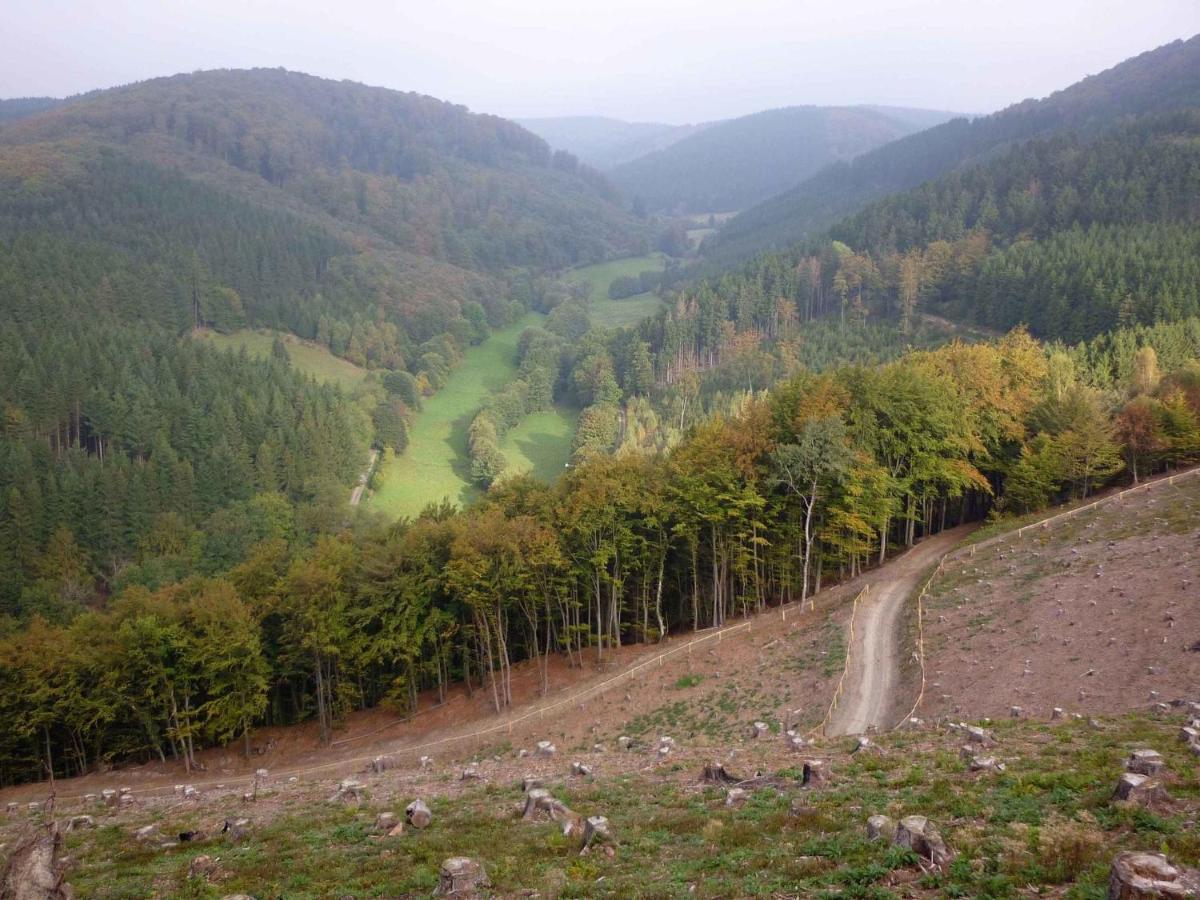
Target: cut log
(75, 823)
(986, 764)
(35, 868)
(417, 814)
(460, 877)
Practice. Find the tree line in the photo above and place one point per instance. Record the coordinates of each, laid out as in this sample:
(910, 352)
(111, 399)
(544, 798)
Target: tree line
(810, 482)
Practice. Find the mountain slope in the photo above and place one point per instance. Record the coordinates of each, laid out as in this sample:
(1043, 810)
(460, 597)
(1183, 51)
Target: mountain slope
(1164, 79)
(734, 164)
(603, 142)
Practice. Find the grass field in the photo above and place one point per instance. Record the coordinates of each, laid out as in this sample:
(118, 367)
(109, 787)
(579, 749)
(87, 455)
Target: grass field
(541, 444)
(618, 313)
(436, 465)
(306, 356)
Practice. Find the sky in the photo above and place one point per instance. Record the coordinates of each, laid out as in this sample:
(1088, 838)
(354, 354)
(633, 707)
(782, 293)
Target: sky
(644, 60)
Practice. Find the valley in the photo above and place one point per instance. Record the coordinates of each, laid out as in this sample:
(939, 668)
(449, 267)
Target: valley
(473, 496)
(435, 466)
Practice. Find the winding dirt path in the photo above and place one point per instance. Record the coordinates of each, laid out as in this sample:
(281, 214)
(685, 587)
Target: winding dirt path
(357, 493)
(874, 673)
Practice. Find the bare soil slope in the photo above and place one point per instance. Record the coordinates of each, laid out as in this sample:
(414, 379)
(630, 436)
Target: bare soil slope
(1099, 613)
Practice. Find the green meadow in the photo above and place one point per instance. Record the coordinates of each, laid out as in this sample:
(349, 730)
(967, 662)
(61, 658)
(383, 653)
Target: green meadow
(436, 466)
(306, 356)
(540, 445)
(618, 313)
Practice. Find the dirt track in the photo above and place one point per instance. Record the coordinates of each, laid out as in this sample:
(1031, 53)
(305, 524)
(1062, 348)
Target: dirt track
(874, 673)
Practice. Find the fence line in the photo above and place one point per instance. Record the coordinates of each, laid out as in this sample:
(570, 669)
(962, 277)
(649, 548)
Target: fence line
(1000, 538)
(837, 692)
(1111, 498)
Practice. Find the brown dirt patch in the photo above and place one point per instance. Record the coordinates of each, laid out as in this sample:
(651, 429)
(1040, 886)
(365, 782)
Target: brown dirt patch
(1094, 614)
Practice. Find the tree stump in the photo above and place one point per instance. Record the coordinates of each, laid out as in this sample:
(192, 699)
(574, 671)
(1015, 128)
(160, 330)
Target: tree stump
(579, 770)
(596, 833)
(381, 764)
(460, 877)
(624, 742)
(918, 834)
(348, 791)
(533, 797)
(529, 782)
(203, 866)
(1144, 762)
(979, 735)
(545, 749)
(816, 773)
(715, 773)
(1139, 789)
(236, 830)
(417, 814)
(386, 821)
(1142, 876)
(759, 730)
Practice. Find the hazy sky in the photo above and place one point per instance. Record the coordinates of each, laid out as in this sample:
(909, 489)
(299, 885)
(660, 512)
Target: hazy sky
(665, 60)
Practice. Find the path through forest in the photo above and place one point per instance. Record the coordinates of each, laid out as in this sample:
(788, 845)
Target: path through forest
(874, 672)
(356, 494)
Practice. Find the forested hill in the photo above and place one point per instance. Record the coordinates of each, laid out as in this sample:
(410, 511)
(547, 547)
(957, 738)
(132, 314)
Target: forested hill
(1071, 236)
(1164, 79)
(734, 164)
(392, 228)
(403, 195)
